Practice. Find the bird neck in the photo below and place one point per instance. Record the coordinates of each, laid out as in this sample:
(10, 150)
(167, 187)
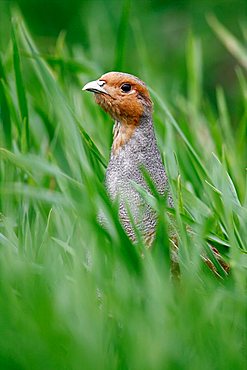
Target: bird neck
(123, 132)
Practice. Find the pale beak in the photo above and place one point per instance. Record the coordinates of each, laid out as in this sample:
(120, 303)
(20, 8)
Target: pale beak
(96, 87)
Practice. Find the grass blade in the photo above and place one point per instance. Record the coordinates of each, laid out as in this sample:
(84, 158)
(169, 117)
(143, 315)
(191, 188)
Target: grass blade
(4, 111)
(21, 92)
(230, 42)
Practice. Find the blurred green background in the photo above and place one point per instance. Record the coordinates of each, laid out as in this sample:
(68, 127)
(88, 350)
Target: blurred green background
(159, 27)
(72, 294)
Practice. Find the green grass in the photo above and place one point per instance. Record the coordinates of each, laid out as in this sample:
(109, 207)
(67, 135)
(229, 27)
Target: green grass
(75, 296)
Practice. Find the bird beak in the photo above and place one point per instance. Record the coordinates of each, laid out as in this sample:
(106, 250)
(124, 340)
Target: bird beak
(96, 87)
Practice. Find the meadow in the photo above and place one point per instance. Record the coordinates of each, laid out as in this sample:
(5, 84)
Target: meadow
(76, 296)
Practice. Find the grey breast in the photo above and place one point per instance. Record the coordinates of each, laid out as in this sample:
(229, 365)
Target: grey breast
(124, 168)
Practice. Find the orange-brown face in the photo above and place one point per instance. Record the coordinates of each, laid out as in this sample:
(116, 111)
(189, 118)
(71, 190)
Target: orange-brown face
(123, 96)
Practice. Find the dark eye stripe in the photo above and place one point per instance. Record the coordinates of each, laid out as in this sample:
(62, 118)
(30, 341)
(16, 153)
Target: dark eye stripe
(126, 87)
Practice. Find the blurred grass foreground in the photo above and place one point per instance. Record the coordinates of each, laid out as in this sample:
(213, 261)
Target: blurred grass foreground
(76, 296)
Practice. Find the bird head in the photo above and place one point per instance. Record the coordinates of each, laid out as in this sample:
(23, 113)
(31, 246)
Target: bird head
(123, 96)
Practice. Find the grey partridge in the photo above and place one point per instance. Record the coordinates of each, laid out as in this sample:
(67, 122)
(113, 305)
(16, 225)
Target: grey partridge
(127, 100)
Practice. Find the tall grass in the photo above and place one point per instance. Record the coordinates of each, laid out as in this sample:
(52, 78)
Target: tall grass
(76, 296)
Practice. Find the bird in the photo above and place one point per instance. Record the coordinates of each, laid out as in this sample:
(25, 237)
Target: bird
(127, 100)
(134, 148)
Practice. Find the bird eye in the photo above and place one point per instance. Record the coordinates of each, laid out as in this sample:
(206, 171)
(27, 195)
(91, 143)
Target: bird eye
(126, 87)
(101, 82)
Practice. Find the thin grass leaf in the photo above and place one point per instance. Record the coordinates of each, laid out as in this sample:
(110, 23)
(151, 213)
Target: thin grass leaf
(32, 164)
(180, 196)
(122, 243)
(224, 117)
(65, 246)
(218, 240)
(5, 115)
(121, 38)
(2, 73)
(228, 180)
(214, 188)
(194, 67)
(21, 91)
(230, 41)
(216, 263)
(35, 193)
(180, 132)
(6, 242)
